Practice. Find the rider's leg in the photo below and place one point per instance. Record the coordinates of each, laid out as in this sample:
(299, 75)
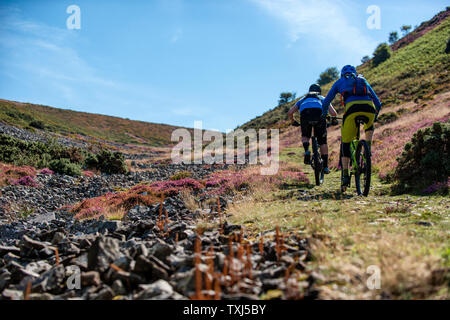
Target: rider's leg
(369, 136)
(369, 129)
(348, 133)
(320, 131)
(324, 149)
(306, 129)
(305, 141)
(346, 153)
(345, 165)
(306, 136)
(324, 156)
(307, 157)
(322, 140)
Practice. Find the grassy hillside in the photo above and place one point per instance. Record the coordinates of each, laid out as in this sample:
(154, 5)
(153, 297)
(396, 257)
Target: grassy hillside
(415, 71)
(406, 237)
(68, 122)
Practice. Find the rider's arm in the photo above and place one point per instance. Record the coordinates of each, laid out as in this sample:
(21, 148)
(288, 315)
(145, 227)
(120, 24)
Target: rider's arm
(330, 96)
(374, 97)
(291, 112)
(294, 109)
(332, 111)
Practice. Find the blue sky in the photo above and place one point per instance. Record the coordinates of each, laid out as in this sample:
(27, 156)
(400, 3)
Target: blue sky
(176, 61)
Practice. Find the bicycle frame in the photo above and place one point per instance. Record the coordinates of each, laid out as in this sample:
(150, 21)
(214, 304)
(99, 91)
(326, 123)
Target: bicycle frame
(360, 164)
(353, 160)
(353, 146)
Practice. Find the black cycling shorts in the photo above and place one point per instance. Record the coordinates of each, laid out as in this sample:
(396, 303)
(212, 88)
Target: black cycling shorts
(320, 129)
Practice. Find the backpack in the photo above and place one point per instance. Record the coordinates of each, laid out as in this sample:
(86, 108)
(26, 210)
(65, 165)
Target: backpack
(309, 96)
(359, 88)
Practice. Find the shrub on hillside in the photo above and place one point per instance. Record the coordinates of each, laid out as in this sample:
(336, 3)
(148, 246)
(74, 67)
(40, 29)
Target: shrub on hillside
(37, 124)
(425, 160)
(91, 161)
(35, 154)
(405, 29)
(393, 37)
(181, 175)
(10, 174)
(388, 117)
(46, 171)
(27, 181)
(365, 59)
(64, 166)
(328, 76)
(41, 155)
(447, 49)
(74, 154)
(107, 162)
(381, 54)
(286, 97)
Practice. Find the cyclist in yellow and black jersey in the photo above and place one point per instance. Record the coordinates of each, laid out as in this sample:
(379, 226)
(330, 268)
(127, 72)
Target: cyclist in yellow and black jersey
(359, 100)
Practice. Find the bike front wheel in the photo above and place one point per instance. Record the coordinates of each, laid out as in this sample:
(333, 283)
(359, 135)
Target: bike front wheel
(363, 170)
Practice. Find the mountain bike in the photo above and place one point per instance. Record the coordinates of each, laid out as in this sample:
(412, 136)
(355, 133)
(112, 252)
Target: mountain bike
(316, 161)
(360, 161)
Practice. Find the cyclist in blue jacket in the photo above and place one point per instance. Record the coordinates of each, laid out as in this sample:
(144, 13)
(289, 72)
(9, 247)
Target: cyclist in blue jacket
(310, 108)
(359, 100)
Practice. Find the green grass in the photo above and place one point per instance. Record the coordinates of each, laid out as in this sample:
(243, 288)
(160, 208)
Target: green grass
(349, 233)
(406, 235)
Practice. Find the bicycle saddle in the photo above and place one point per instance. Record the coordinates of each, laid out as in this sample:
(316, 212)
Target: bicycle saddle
(361, 119)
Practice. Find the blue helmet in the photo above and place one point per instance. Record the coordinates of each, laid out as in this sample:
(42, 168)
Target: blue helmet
(348, 69)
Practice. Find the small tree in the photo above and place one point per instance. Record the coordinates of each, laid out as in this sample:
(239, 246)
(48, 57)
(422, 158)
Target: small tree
(365, 59)
(37, 124)
(285, 97)
(328, 76)
(381, 54)
(425, 161)
(405, 29)
(393, 37)
(447, 49)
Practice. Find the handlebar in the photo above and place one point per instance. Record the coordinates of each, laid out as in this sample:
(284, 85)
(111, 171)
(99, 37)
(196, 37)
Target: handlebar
(295, 123)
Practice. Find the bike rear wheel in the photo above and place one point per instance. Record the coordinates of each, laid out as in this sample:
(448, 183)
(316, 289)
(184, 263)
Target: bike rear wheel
(363, 171)
(317, 163)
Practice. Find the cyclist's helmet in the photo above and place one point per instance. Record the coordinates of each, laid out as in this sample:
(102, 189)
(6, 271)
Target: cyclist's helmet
(348, 69)
(315, 88)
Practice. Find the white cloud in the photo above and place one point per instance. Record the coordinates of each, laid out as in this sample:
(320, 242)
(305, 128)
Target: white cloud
(324, 19)
(46, 51)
